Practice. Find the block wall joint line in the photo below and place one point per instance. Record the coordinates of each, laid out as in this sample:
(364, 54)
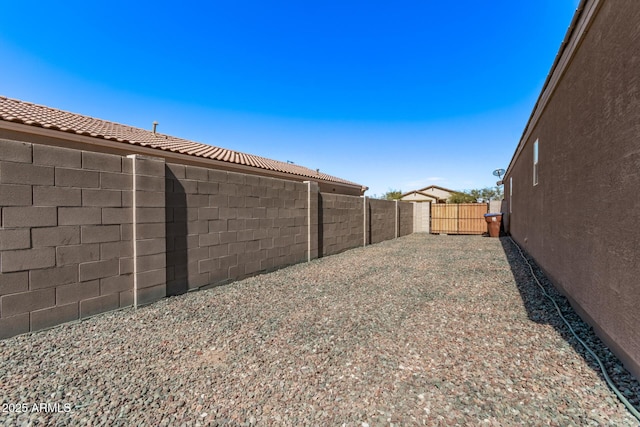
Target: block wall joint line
(134, 233)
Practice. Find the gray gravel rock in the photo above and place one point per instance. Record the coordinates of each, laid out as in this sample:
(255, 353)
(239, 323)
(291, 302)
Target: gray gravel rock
(422, 330)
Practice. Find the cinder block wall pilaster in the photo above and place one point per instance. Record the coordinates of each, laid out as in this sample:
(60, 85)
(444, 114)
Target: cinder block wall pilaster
(313, 219)
(148, 231)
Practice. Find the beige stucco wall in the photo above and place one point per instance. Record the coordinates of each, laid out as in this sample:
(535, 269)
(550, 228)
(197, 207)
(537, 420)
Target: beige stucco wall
(441, 194)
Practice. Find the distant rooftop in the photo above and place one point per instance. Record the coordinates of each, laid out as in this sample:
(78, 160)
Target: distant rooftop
(13, 110)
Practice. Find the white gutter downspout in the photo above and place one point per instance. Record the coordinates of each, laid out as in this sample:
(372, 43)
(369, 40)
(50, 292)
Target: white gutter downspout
(134, 233)
(308, 220)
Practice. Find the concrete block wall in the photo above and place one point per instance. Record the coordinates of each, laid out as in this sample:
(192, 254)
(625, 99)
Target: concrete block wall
(381, 221)
(421, 217)
(149, 231)
(65, 235)
(83, 232)
(223, 226)
(405, 218)
(342, 223)
(495, 206)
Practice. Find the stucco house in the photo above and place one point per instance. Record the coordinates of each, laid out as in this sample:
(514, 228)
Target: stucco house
(430, 194)
(583, 137)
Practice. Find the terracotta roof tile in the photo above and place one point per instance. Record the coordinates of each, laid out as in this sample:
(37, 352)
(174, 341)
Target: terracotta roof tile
(13, 110)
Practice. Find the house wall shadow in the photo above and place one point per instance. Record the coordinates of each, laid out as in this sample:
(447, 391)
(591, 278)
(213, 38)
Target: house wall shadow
(541, 310)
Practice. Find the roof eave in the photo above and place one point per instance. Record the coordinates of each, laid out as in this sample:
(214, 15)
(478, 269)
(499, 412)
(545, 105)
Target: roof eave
(576, 30)
(111, 145)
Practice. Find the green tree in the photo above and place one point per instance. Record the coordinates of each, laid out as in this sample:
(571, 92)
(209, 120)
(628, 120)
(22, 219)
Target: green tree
(392, 195)
(461, 197)
(491, 193)
(477, 195)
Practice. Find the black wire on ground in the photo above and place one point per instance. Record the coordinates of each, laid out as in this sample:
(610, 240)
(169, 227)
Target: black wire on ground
(612, 386)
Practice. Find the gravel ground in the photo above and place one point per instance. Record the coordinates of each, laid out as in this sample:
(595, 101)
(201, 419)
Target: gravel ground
(422, 330)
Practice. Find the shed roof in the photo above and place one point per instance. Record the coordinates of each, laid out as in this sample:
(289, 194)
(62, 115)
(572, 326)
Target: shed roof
(430, 187)
(416, 193)
(16, 111)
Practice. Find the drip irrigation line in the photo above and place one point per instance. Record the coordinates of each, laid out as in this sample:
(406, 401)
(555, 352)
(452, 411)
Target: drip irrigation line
(612, 386)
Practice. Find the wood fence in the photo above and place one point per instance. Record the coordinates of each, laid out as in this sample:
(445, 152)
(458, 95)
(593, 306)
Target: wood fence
(458, 218)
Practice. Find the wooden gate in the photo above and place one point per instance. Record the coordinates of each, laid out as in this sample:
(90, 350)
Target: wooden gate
(458, 218)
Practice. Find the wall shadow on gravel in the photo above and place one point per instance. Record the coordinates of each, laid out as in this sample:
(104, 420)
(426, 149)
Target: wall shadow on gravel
(541, 310)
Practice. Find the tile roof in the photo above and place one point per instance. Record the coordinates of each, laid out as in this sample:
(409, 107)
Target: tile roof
(13, 110)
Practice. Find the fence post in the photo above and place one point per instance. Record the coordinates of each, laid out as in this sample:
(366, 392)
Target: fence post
(149, 245)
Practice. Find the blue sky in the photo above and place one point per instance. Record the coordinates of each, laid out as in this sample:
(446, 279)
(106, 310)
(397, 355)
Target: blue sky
(392, 95)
